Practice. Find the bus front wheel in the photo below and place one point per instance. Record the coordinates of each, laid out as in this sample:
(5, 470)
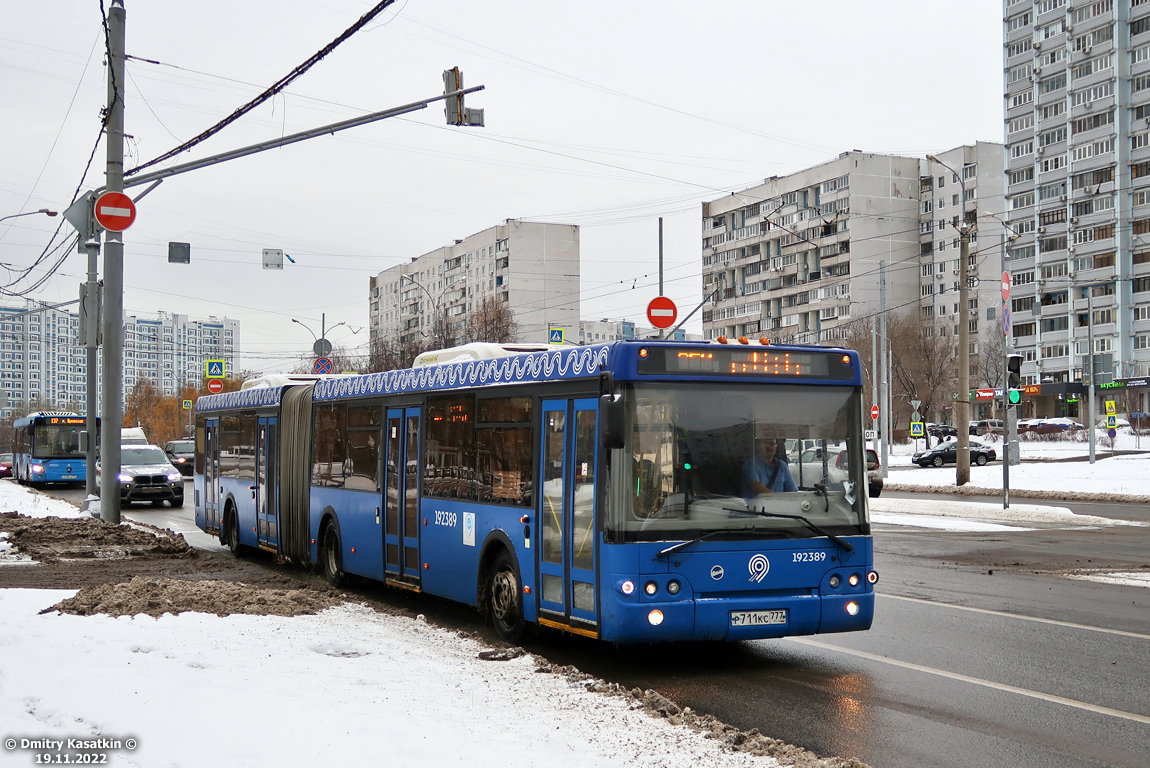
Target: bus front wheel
(505, 601)
(333, 556)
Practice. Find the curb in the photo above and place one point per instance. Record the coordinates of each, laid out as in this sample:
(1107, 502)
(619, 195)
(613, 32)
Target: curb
(1020, 493)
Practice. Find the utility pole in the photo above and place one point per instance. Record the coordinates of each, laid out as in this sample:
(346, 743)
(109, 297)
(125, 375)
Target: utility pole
(874, 375)
(90, 306)
(1090, 368)
(660, 255)
(113, 305)
(884, 384)
(962, 404)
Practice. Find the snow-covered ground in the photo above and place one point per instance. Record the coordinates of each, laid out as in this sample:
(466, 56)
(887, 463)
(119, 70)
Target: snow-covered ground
(1042, 469)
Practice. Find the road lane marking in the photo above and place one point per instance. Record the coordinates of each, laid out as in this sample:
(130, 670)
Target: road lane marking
(977, 681)
(1016, 616)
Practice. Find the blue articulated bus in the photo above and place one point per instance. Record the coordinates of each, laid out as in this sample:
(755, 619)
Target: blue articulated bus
(47, 448)
(640, 491)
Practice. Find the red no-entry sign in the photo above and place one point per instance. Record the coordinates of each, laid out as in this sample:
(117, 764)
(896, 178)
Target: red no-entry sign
(1006, 286)
(661, 312)
(115, 211)
(874, 411)
(215, 386)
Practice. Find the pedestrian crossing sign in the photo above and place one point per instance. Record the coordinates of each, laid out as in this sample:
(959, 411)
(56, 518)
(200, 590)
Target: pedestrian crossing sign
(214, 369)
(916, 429)
(1111, 422)
(1111, 408)
(556, 336)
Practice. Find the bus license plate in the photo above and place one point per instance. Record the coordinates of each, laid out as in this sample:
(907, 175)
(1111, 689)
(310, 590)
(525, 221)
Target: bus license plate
(757, 618)
(67, 477)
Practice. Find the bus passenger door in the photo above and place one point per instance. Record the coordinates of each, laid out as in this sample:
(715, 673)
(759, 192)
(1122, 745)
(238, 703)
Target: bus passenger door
(401, 495)
(266, 529)
(211, 475)
(567, 513)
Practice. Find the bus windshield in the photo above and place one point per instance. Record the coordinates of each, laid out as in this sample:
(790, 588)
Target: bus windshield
(704, 459)
(57, 441)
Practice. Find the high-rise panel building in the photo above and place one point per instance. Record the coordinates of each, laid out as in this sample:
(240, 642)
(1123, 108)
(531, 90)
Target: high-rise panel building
(41, 360)
(800, 258)
(1077, 118)
(530, 268)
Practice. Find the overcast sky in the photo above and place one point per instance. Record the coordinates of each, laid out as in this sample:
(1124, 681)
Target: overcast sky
(602, 114)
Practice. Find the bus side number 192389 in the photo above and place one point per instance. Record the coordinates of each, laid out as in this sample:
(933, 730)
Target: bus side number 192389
(808, 557)
(446, 518)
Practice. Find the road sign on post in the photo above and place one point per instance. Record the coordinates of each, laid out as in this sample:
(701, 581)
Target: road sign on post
(874, 412)
(215, 386)
(115, 211)
(1006, 286)
(322, 365)
(662, 312)
(556, 335)
(917, 429)
(215, 369)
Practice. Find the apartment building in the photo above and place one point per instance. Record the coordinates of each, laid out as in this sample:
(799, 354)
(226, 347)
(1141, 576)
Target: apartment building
(530, 268)
(1077, 124)
(798, 258)
(40, 359)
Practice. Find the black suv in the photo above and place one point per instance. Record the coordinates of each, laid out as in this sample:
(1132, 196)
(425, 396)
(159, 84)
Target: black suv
(182, 454)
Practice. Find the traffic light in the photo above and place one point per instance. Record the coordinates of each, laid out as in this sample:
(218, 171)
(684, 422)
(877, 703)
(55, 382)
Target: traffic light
(1013, 378)
(453, 108)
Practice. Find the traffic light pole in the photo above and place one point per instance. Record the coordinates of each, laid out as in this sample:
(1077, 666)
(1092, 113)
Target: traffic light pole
(1006, 425)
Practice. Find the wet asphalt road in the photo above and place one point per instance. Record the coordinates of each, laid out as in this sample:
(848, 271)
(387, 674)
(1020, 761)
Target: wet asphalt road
(983, 653)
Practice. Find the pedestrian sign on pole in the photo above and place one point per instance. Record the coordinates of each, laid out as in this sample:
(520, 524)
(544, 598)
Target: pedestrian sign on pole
(187, 405)
(1111, 408)
(556, 336)
(1111, 422)
(214, 369)
(917, 429)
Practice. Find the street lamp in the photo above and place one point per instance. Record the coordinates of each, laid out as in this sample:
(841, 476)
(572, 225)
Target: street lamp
(45, 211)
(322, 346)
(434, 303)
(962, 404)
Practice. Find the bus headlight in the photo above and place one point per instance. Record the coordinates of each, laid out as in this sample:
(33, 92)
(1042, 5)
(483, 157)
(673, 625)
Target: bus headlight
(854, 580)
(37, 468)
(656, 617)
(872, 577)
(835, 581)
(852, 608)
(627, 587)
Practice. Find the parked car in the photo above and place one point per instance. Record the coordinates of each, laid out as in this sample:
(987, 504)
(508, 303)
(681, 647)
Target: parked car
(5, 465)
(1054, 426)
(182, 454)
(811, 463)
(946, 452)
(985, 427)
(147, 475)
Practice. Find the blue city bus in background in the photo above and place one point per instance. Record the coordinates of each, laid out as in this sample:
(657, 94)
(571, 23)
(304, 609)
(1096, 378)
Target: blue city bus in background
(603, 490)
(47, 448)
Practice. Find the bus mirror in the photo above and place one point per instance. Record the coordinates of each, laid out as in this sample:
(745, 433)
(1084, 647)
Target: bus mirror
(614, 421)
(83, 441)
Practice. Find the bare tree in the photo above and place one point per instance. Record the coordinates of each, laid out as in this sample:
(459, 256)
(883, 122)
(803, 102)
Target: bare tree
(924, 360)
(492, 320)
(988, 367)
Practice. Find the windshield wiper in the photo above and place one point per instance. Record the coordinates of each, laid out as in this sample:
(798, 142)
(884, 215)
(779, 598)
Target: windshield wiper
(841, 542)
(685, 544)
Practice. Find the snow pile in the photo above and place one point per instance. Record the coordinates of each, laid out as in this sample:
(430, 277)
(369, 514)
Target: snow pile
(990, 517)
(9, 555)
(18, 498)
(333, 688)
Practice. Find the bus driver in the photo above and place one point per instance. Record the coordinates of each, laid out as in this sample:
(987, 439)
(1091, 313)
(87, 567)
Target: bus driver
(765, 472)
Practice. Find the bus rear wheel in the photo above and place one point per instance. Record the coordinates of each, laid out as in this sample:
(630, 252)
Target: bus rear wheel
(231, 535)
(504, 595)
(333, 556)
